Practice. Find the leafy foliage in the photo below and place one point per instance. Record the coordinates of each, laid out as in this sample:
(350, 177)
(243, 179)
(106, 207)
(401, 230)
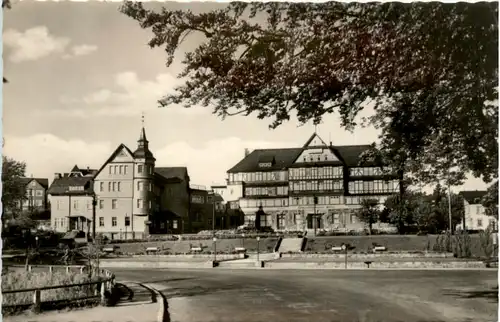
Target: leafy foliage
(441, 209)
(490, 201)
(369, 212)
(428, 213)
(486, 240)
(13, 190)
(430, 88)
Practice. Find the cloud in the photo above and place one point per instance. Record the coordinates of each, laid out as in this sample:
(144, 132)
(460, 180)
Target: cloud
(37, 42)
(46, 154)
(132, 97)
(33, 44)
(80, 50)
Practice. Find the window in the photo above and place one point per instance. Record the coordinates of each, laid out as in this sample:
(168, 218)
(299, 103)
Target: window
(353, 219)
(127, 221)
(175, 224)
(113, 203)
(114, 186)
(101, 204)
(140, 203)
(59, 204)
(101, 221)
(39, 193)
(480, 223)
(113, 221)
(121, 169)
(281, 221)
(109, 186)
(150, 204)
(89, 205)
(110, 169)
(101, 186)
(150, 186)
(118, 186)
(140, 168)
(125, 169)
(478, 210)
(75, 204)
(140, 186)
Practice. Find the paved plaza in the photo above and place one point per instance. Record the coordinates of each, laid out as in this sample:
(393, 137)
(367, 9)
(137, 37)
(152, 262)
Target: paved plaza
(368, 296)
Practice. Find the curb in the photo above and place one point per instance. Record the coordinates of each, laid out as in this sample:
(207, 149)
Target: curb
(163, 315)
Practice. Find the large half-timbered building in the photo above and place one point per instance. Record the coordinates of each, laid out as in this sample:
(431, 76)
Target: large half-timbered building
(317, 186)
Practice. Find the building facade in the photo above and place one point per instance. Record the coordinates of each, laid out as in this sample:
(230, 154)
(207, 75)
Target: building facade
(71, 196)
(131, 197)
(475, 217)
(317, 186)
(36, 195)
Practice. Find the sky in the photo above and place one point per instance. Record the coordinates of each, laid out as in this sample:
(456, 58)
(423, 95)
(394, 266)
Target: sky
(81, 75)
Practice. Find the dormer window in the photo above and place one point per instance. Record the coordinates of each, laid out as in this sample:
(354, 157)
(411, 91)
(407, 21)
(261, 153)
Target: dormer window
(266, 161)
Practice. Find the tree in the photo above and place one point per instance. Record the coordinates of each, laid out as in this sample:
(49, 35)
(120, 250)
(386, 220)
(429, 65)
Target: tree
(400, 210)
(490, 201)
(431, 90)
(441, 209)
(369, 212)
(424, 215)
(13, 189)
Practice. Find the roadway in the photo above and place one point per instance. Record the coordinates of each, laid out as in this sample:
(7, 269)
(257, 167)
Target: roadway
(324, 295)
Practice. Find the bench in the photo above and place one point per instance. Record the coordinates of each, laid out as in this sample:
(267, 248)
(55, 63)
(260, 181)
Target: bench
(337, 248)
(379, 249)
(196, 249)
(240, 249)
(110, 249)
(152, 249)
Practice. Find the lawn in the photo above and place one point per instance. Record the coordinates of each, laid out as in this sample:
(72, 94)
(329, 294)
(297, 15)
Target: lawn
(16, 280)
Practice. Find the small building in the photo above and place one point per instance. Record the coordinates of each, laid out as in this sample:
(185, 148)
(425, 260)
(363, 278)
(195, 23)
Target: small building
(36, 195)
(475, 217)
(71, 196)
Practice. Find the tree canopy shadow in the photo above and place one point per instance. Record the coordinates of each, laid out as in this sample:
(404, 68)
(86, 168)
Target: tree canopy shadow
(490, 294)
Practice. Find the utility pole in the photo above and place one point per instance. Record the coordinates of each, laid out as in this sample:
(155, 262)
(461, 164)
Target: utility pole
(94, 204)
(449, 207)
(213, 214)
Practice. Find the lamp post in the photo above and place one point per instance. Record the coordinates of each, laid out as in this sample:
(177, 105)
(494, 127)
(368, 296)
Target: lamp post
(215, 248)
(213, 216)
(258, 247)
(344, 248)
(94, 204)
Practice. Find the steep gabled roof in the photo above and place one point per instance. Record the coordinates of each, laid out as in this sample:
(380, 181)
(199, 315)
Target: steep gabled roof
(473, 196)
(61, 186)
(113, 155)
(351, 153)
(283, 159)
(42, 181)
(172, 172)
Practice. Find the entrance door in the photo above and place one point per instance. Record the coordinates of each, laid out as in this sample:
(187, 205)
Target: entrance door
(310, 220)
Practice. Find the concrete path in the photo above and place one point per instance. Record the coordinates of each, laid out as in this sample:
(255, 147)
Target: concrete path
(139, 309)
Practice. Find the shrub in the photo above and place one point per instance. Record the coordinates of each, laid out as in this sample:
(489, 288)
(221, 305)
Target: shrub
(23, 280)
(462, 245)
(486, 240)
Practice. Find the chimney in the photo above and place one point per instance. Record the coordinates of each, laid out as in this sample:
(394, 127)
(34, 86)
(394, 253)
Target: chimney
(57, 176)
(247, 152)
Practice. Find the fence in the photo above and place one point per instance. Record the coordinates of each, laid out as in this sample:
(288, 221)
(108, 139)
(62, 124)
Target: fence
(103, 286)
